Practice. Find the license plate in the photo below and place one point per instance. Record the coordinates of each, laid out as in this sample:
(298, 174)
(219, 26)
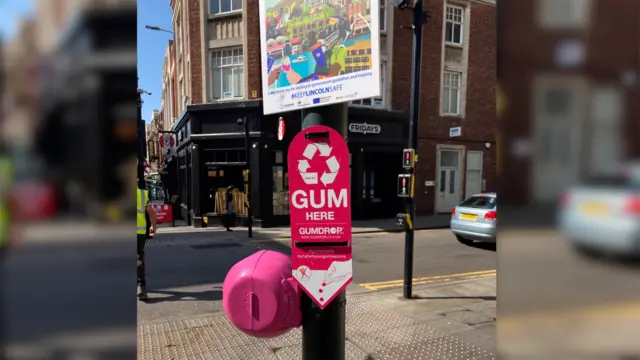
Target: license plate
(594, 209)
(469, 217)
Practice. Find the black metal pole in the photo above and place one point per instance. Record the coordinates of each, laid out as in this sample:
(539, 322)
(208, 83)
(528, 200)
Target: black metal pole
(174, 206)
(247, 141)
(141, 145)
(419, 18)
(323, 331)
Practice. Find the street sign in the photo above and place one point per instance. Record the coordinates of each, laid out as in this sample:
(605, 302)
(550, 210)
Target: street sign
(408, 158)
(280, 129)
(320, 208)
(152, 149)
(164, 213)
(405, 185)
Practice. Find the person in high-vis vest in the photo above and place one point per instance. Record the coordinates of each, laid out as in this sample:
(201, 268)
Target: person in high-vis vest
(6, 179)
(145, 222)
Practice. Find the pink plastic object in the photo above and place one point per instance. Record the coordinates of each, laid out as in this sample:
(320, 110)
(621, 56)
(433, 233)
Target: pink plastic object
(260, 297)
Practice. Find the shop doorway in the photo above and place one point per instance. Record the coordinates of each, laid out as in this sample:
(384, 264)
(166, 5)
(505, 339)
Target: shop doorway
(558, 122)
(448, 194)
(379, 178)
(217, 179)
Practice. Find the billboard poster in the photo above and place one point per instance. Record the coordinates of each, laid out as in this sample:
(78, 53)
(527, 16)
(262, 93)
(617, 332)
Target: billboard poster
(318, 52)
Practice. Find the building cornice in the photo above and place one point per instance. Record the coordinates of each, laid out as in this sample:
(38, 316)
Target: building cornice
(484, 2)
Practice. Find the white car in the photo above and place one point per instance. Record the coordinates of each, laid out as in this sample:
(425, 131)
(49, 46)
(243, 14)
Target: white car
(602, 215)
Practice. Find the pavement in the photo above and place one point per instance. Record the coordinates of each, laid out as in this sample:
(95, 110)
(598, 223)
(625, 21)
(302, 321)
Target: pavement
(63, 298)
(556, 303)
(451, 321)
(451, 317)
(62, 294)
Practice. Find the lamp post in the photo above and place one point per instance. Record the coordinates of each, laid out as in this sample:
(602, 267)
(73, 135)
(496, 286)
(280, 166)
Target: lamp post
(247, 143)
(420, 17)
(157, 28)
(142, 143)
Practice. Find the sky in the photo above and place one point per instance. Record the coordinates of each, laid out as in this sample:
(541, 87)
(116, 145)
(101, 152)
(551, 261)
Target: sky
(151, 50)
(151, 44)
(10, 13)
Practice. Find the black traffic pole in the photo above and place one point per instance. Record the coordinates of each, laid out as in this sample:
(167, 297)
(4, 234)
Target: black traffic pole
(323, 331)
(141, 143)
(419, 18)
(173, 210)
(247, 145)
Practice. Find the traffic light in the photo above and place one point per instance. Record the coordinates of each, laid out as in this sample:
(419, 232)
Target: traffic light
(405, 185)
(408, 158)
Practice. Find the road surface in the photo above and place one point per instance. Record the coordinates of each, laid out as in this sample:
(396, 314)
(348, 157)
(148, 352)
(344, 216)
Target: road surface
(70, 292)
(193, 265)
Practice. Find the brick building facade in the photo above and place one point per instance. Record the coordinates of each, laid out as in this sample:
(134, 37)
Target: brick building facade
(473, 57)
(570, 75)
(457, 121)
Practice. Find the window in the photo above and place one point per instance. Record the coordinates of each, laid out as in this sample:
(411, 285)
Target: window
(474, 173)
(187, 90)
(480, 202)
(180, 102)
(224, 6)
(451, 93)
(453, 25)
(383, 15)
(449, 158)
(174, 109)
(185, 33)
(378, 101)
(607, 106)
(280, 185)
(227, 78)
(558, 109)
(564, 14)
(179, 38)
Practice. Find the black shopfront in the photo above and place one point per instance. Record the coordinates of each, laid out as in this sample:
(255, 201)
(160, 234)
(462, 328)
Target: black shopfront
(211, 155)
(85, 133)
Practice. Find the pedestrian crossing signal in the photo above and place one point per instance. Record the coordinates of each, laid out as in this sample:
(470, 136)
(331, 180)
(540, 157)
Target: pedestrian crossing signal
(405, 185)
(408, 158)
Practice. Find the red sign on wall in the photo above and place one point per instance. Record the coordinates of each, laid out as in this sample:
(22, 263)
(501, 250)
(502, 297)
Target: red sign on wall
(280, 129)
(320, 208)
(164, 213)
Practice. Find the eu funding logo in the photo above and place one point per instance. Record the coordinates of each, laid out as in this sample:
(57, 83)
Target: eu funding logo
(322, 100)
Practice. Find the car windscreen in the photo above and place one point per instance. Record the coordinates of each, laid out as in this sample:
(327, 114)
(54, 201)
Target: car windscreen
(619, 181)
(480, 202)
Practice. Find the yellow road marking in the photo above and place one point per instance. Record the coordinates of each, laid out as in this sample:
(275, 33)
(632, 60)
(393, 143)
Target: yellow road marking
(429, 279)
(611, 311)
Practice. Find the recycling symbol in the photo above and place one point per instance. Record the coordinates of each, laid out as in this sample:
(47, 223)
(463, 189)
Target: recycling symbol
(311, 178)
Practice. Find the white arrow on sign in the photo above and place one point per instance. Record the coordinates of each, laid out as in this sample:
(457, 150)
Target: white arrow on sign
(325, 149)
(333, 164)
(310, 151)
(303, 165)
(328, 178)
(310, 178)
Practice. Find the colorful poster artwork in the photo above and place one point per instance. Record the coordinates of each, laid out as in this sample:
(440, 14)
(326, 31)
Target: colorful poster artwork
(318, 52)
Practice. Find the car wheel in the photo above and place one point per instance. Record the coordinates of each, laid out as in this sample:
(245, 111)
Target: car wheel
(463, 240)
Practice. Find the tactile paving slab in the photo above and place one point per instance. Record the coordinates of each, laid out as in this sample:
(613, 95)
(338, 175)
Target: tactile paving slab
(373, 333)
